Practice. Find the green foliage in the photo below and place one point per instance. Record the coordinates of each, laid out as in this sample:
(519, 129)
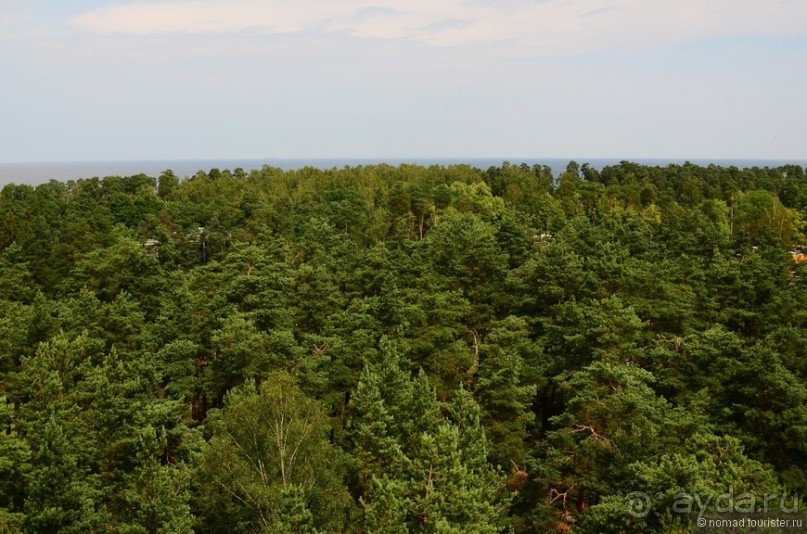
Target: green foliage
(758, 211)
(419, 468)
(395, 349)
(15, 459)
(504, 392)
(269, 465)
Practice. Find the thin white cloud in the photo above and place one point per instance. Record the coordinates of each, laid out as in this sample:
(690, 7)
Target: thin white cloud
(549, 27)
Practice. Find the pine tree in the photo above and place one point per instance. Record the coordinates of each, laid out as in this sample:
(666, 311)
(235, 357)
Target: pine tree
(421, 470)
(15, 459)
(504, 393)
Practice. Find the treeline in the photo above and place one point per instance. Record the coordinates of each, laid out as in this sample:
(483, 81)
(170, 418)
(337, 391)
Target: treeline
(396, 349)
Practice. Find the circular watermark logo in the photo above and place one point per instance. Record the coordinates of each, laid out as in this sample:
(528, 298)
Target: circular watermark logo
(637, 503)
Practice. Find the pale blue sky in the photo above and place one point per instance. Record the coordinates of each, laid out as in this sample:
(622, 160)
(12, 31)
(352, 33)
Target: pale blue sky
(182, 79)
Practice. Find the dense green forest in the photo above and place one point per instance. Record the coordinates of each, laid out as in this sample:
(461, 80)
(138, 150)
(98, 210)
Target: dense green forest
(401, 349)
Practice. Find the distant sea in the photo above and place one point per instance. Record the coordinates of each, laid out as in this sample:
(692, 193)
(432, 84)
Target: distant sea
(37, 173)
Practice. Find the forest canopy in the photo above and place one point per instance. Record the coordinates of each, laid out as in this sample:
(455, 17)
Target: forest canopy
(401, 349)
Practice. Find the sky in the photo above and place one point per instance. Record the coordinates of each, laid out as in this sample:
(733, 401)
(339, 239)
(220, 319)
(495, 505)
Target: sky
(105, 80)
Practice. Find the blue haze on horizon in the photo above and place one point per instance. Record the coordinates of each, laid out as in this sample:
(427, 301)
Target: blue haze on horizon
(137, 80)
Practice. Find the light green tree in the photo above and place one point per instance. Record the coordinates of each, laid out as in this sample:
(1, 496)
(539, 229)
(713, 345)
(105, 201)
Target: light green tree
(269, 453)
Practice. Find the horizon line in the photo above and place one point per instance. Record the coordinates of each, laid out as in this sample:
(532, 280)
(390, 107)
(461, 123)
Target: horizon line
(509, 159)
